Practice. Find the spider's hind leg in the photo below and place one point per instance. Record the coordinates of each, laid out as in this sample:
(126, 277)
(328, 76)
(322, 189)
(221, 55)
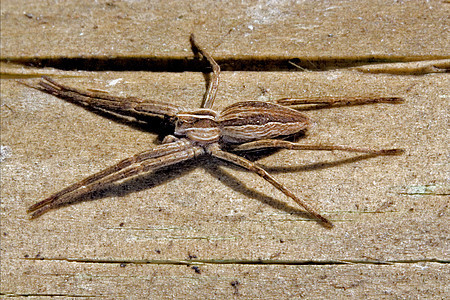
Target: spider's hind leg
(337, 101)
(215, 151)
(281, 144)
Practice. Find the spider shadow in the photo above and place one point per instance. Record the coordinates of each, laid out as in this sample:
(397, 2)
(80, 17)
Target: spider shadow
(238, 186)
(214, 168)
(134, 184)
(170, 173)
(319, 165)
(156, 125)
(161, 127)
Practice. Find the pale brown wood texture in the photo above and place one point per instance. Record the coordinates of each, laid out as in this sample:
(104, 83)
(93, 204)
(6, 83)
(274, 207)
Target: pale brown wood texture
(206, 229)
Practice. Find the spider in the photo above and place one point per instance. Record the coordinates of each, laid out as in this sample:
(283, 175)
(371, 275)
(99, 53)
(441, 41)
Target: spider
(243, 126)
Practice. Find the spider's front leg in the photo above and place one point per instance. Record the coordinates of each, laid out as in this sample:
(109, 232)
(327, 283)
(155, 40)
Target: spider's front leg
(151, 160)
(126, 106)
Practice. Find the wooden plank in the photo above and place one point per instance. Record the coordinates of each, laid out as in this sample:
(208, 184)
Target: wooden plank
(142, 238)
(307, 29)
(385, 209)
(69, 279)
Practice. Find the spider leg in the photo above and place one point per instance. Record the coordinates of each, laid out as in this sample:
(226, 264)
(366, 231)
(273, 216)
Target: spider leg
(158, 157)
(337, 100)
(214, 83)
(120, 105)
(215, 151)
(272, 143)
(169, 139)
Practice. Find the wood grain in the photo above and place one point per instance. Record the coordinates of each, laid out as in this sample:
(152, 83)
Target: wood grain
(142, 238)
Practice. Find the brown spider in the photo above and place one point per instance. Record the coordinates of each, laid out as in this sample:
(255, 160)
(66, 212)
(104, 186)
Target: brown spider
(243, 126)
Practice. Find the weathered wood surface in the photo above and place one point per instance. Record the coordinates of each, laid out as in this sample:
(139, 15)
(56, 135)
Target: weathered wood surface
(147, 237)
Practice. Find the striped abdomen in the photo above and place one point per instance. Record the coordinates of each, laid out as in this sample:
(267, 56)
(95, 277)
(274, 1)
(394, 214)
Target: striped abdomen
(254, 120)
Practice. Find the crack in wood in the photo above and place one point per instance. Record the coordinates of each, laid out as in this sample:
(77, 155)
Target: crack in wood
(48, 295)
(191, 64)
(242, 262)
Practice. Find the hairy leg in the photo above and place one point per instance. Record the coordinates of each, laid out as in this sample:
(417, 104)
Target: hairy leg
(120, 105)
(246, 164)
(160, 156)
(214, 84)
(280, 144)
(338, 100)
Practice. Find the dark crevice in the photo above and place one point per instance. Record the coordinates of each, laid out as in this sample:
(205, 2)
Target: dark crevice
(191, 64)
(244, 261)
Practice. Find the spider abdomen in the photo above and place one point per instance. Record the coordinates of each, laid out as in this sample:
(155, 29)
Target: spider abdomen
(254, 120)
